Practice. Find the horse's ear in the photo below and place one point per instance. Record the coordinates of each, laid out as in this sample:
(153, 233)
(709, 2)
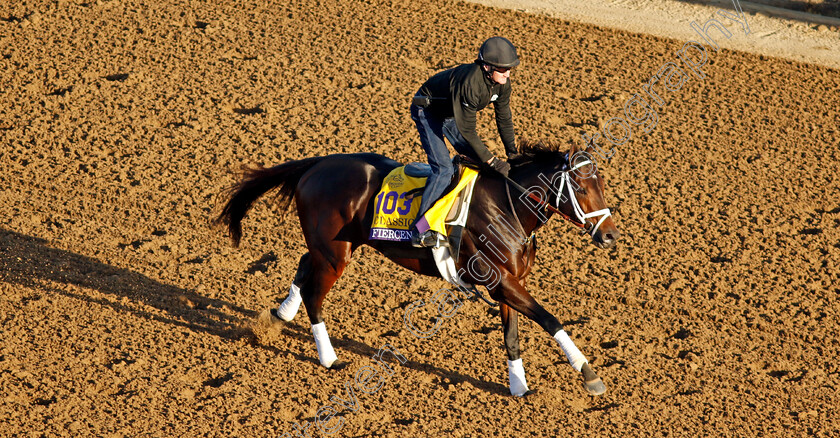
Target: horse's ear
(572, 151)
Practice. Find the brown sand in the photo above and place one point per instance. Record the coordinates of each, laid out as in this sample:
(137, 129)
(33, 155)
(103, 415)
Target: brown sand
(124, 314)
(781, 32)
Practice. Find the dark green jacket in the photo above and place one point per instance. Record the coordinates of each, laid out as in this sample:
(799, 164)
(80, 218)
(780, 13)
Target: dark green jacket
(462, 91)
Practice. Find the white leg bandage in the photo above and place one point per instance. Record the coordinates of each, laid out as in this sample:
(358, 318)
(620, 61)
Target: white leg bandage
(326, 354)
(516, 374)
(290, 306)
(576, 358)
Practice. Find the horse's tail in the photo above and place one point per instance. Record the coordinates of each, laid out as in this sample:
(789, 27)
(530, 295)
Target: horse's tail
(257, 181)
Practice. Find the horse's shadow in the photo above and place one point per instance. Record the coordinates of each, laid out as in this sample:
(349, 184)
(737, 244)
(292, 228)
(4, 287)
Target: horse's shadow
(31, 262)
(360, 348)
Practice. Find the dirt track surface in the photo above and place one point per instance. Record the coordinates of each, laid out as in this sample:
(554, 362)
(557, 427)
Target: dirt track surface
(124, 314)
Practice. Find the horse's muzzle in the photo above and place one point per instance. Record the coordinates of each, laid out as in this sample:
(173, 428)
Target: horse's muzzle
(605, 239)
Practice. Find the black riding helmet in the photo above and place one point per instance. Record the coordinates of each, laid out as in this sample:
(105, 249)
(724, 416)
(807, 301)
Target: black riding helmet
(498, 52)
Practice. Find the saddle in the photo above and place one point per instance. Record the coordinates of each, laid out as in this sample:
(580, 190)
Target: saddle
(423, 170)
(398, 202)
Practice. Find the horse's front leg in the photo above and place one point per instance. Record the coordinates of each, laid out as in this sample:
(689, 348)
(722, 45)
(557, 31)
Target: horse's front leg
(516, 371)
(510, 293)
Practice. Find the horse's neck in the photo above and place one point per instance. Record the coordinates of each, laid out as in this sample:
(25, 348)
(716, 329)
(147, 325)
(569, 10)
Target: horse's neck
(532, 218)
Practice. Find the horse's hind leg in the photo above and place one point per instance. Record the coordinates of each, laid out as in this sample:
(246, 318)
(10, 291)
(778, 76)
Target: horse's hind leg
(289, 308)
(310, 286)
(325, 270)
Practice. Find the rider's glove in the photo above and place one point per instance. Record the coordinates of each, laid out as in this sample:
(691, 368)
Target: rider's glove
(499, 166)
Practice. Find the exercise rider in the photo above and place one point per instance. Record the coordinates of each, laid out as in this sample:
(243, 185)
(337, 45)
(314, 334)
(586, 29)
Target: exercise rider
(446, 106)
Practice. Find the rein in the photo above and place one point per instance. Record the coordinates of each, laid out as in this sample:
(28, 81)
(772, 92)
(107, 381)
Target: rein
(544, 204)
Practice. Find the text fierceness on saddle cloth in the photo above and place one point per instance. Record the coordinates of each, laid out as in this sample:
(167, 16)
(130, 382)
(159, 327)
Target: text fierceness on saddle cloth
(393, 213)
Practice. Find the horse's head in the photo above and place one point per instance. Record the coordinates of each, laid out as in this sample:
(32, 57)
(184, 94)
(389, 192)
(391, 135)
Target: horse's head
(587, 199)
(575, 188)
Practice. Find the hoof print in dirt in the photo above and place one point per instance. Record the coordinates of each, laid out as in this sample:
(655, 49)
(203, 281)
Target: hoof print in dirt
(600, 408)
(218, 381)
(609, 345)
(682, 334)
(249, 111)
(60, 91)
(116, 77)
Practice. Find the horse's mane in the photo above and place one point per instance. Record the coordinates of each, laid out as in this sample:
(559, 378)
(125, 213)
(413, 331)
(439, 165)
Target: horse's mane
(540, 150)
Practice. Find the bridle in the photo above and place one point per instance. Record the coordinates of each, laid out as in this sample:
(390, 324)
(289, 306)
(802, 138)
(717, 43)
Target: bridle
(580, 215)
(566, 181)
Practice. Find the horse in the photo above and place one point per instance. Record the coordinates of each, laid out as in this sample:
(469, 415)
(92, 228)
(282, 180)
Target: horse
(334, 199)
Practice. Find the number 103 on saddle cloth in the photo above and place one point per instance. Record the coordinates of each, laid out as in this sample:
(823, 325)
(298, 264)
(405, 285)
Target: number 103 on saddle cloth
(398, 202)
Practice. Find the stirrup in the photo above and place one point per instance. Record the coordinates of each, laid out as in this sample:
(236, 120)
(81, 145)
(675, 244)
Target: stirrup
(429, 239)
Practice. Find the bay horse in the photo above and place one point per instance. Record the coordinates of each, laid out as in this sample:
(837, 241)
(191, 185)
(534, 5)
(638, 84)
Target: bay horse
(334, 198)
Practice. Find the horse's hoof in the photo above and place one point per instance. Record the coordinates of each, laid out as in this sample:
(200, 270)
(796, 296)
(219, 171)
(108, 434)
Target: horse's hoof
(591, 382)
(595, 387)
(335, 364)
(338, 365)
(521, 392)
(268, 318)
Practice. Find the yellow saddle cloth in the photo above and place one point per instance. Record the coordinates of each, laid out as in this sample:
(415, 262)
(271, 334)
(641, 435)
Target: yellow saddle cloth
(398, 202)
